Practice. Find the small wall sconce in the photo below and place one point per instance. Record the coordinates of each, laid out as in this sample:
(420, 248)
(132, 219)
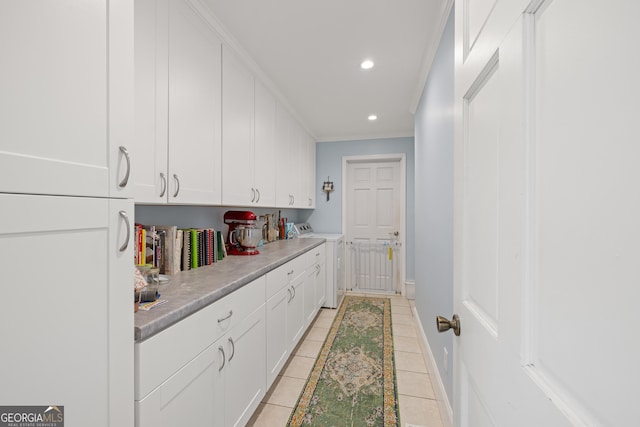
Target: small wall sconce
(327, 187)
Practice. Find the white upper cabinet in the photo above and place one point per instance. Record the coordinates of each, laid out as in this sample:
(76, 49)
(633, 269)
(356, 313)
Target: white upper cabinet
(296, 164)
(237, 131)
(264, 146)
(178, 105)
(194, 107)
(287, 179)
(308, 173)
(66, 104)
(149, 152)
(207, 131)
(247, 136)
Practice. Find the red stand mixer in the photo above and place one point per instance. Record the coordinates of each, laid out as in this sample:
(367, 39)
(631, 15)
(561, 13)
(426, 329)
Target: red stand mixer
(244, 234)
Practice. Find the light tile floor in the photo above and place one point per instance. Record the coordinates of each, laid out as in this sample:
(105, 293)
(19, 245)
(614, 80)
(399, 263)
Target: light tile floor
(418, 406)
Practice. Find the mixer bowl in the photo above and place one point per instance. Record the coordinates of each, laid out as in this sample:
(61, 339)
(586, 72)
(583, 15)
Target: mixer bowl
(247, 237)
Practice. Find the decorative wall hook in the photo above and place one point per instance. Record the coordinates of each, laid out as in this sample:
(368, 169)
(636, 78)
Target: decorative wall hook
(327, 187)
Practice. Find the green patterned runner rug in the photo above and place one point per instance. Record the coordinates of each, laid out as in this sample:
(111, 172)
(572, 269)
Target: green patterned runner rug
(353, 380)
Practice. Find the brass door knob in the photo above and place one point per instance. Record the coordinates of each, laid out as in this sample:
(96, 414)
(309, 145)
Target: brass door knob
(445, 324)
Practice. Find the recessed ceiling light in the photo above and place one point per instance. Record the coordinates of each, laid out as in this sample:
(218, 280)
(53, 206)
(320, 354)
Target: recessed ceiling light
(372, 117)
(366, 64)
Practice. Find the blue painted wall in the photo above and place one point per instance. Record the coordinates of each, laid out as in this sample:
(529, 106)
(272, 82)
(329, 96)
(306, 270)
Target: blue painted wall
(327, 217)
(434, 134)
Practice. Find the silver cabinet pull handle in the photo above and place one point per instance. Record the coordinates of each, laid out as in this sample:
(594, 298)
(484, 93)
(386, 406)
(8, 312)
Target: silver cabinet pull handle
(253, 195)
(125, 180)
(177, 185)
(233, 348)
(294, 292)
(258, 199)
(223, 358)
(164, 184)
(290, 295)
(222, 319)
(293, 199)
(124, 216)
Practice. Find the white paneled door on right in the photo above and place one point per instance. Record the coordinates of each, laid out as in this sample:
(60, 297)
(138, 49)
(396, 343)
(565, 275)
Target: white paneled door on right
(547, 274)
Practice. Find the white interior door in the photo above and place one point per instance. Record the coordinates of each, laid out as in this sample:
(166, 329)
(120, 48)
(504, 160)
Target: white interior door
(373, 223)
(547, 213)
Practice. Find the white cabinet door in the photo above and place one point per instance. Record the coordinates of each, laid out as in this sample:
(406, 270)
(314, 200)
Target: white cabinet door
(264, 146)
(284, 175)
(248, 136)
(321, 284)
(277, 341)
(149, 149)
(309, 172)
(237, 131)
(193, 396)
(295, 312)
(67, 322)
(297, 165)
(316, 265)
(120, 315)
(310, 308)
(66, 103)
(176, 153)
(245, 370)
(194, 107)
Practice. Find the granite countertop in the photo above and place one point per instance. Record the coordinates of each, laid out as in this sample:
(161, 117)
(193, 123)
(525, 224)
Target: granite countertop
(190, 291)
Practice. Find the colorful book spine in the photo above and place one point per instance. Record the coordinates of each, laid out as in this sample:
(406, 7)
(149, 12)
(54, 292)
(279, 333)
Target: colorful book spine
(186, 250)
(194, 248)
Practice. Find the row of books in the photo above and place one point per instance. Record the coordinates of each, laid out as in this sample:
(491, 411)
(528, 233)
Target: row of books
(173, 249)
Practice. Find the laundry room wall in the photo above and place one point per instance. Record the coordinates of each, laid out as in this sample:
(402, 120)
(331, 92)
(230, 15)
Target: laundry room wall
(327, 217)
(434, 133)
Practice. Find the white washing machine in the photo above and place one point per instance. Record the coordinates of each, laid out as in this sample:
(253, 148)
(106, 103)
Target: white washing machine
(336, 284)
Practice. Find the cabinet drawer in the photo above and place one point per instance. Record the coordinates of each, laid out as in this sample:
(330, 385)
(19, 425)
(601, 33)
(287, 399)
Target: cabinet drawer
(285, 274)
(159, 357)
(316, 255)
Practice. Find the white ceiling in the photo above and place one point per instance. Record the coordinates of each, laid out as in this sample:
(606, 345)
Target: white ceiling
(311, 52)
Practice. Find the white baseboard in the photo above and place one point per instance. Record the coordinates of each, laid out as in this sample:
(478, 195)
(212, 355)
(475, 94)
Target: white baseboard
(446, 412)
(410, 289)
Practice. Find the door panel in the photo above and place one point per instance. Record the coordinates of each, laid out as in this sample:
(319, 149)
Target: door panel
(586, 220)
(481, 238)
(546, 227)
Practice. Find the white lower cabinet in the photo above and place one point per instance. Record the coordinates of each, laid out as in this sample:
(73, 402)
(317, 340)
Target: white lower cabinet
(295, 313)
(192, 396)
(317, 260)
(222, 386)
(66, 317)
(277, 340)
(208, 369)
(244, 369)
(285, 314)
(310, 308)
(315, 292)
(214, 367)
